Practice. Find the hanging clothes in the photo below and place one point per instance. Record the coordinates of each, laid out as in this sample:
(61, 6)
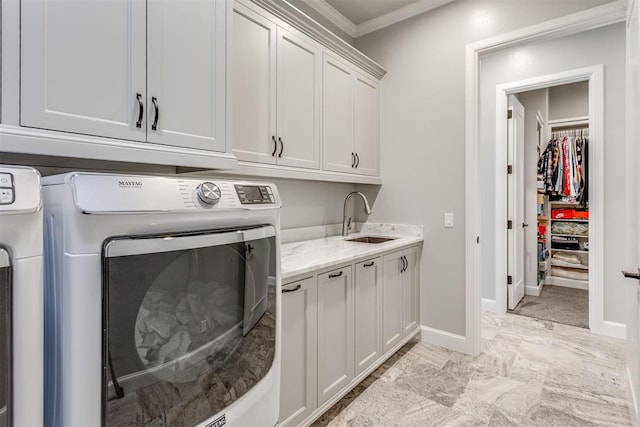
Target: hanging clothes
(562, 168)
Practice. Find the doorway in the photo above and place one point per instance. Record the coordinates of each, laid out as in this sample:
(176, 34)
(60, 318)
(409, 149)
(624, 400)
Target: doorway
(548, 204)
(593, 76)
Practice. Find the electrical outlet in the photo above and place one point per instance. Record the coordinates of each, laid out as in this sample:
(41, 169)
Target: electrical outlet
(448, 219)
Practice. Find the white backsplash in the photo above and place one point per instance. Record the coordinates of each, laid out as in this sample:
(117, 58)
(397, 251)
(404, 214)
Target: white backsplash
(322, 231)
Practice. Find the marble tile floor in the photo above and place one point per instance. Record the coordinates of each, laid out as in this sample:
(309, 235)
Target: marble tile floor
(530, 373)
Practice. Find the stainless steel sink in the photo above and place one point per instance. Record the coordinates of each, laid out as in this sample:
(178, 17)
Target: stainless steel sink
(371, 239)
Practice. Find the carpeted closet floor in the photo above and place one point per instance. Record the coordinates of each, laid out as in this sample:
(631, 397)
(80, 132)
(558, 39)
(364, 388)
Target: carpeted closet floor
(558, 304)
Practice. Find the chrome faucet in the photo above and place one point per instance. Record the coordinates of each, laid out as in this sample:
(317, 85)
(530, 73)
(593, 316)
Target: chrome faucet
(346, 224)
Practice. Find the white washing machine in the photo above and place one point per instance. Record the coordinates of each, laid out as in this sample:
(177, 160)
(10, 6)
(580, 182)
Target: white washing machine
(164, 302)
(21, 297)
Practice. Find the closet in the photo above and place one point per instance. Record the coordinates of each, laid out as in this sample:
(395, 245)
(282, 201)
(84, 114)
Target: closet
(556, 185)
(568, 200)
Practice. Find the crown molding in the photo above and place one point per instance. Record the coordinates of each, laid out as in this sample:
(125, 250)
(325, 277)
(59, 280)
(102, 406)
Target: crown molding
(305, 24)
(395, 16)
(333, 15)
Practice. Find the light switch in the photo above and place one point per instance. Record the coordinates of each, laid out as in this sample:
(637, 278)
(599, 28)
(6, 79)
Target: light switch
(448, 219)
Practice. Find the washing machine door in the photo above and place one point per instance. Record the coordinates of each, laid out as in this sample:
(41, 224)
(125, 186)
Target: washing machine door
(189, 323)
(5, 339)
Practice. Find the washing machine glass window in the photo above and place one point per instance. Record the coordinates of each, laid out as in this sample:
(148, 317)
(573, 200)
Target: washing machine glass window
(189, 323)
(5, 339)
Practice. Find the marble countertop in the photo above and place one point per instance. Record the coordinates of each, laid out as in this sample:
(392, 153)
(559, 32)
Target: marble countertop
(311, 255)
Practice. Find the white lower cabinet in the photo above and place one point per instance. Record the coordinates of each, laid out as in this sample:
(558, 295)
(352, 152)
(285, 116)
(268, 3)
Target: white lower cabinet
(339, 325)
(411, 290)
(335, 332)
(368, 313)
(298, 394)
(401, 296)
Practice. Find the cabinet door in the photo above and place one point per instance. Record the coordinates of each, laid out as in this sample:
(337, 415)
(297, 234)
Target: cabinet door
(337, 118)
(392, 300)
(411, 290)
(299, 81)
(368, 314)
(253, 86)
(335, 332)
(298, 388)
(83, 66)
(186, 79)
(366, 125)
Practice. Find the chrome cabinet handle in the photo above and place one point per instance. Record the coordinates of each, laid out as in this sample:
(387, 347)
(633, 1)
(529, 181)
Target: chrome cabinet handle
(140, 110)
(357, 160)
(154, 126)
(353, 159)
(332, 276)
(292, 289)
(405, 264)
(275, 146)
(281, 147)
(632, 275)
(370, 264)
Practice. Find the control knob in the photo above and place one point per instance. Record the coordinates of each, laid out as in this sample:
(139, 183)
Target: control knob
(208, 193)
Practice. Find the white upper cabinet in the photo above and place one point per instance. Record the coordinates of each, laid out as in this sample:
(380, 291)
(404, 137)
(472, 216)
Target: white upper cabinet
(276, 93)
(149, 71)
(298, 106)
(366, 124)
(337, 120)
(83, 67)
(186, 85)
(254, 85)
(350, 119)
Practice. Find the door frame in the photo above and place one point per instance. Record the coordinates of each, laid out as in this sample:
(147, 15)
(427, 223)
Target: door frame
(595, 76)
(585, 20)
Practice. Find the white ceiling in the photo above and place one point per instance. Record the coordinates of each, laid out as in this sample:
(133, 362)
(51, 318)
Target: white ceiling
(359, 17)
(359, 11)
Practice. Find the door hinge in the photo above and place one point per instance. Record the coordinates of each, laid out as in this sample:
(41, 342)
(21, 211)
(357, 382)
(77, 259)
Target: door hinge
(509, 225)
(509, 280)
(509, 114)
(509, 169)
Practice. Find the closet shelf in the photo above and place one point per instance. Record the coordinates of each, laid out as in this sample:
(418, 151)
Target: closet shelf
(584, 236)
(571, 219)
(576, 266)
(576, 251)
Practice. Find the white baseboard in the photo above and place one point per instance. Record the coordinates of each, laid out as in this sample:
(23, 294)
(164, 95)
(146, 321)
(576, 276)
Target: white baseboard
(534, 291)
(445, 339)
(490, 305)
(610, 329)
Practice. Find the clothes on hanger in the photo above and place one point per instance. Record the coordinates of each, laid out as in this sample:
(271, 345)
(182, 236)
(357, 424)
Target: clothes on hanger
(562, 167)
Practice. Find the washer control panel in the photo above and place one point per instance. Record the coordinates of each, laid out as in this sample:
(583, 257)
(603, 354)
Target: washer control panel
(255, 194)
(7, 188)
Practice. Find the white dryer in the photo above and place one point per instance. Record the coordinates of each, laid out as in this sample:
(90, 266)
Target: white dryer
(165, 301)
(21, 297)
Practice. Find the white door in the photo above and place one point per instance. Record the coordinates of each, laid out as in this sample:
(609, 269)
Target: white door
(186, 79)
(337, 120)
(83, 67)
(411, 291)
(253, 86)
(335, 332)
(392, 300)
(515, 203)
(299, 351)
(366, 125)
(633, 222)
(368, 313)
(298, 107)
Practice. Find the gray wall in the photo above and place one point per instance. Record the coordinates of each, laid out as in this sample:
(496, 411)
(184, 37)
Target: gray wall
(568, 101)
(602, 46)
(423, 132)
(533, 102)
